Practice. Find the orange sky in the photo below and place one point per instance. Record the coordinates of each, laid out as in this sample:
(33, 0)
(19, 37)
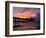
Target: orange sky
(24, 13)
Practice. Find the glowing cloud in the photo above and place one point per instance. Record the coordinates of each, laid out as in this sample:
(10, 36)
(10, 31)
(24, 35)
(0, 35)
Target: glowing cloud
(24, 13)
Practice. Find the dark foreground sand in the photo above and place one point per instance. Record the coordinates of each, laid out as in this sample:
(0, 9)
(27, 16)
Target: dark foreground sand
(24, 26)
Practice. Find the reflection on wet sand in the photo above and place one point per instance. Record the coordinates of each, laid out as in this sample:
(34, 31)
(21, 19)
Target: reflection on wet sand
(24, 24)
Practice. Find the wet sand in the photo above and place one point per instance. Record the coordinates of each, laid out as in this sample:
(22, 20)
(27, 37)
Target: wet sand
(24, 26)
